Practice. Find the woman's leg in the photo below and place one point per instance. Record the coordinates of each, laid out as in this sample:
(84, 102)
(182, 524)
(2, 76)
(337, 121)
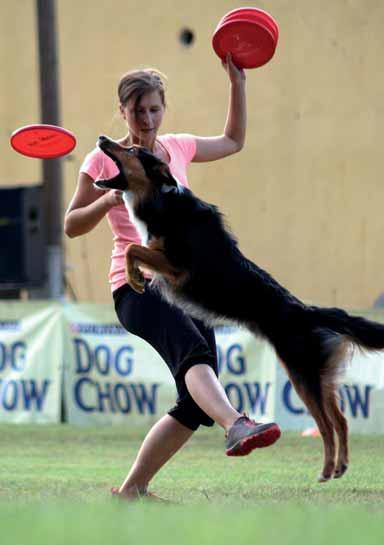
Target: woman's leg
(206, 390)
(202, 399)
(164, 439)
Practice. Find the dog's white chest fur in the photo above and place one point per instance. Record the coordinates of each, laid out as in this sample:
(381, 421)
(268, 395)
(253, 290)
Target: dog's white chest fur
(140, 226)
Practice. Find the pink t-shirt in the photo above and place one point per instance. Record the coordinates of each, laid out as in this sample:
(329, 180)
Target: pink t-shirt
(181, 149)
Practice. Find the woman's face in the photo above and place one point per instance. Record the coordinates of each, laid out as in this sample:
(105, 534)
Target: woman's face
(144, 119)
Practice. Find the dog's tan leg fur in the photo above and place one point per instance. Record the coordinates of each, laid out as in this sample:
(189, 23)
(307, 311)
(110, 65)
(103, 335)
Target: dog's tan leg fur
(151, 259)
(325, 426)
(341, 427)
(324, 422)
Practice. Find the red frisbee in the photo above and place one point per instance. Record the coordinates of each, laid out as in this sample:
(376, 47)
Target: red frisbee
(43, 141)
(249, 34)
(255, 15)
(257, 12)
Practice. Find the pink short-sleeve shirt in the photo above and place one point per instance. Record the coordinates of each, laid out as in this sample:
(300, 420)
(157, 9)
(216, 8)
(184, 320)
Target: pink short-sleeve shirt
(181, 149)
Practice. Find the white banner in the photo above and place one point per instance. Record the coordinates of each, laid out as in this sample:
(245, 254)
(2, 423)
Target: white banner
(111, 376)
(31, 357)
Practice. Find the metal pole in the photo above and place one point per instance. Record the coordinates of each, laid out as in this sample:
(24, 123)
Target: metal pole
(51, 168)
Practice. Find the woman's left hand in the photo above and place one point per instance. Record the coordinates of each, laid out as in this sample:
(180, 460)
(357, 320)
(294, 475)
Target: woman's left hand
(235, 74)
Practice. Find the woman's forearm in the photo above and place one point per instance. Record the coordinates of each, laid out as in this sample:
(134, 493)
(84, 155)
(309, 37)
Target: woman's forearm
(236, 123)
(80, 221)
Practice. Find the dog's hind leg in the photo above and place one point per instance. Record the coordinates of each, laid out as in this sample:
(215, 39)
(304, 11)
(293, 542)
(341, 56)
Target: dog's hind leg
(341, 427)
(314, 400)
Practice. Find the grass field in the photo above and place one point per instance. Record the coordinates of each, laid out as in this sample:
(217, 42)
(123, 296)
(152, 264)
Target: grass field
(55, 480)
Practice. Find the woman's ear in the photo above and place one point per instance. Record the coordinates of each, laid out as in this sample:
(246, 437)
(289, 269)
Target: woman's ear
(122, 111)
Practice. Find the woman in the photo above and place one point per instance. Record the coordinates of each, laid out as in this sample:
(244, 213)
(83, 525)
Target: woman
(186, 345)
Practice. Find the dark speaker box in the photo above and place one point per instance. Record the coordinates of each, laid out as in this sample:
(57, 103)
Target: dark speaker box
(22, 241)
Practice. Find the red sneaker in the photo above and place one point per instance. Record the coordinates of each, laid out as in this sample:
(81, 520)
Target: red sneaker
(245, 435)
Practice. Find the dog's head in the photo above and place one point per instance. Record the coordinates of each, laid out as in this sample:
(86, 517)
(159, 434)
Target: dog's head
(139, 169)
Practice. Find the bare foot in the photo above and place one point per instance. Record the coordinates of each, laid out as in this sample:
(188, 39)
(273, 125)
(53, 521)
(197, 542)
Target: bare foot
(133, 496)
(137, 495)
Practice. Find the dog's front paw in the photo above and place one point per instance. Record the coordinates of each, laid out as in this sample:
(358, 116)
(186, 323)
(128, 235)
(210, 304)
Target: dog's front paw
(138, 287)
(135, 279)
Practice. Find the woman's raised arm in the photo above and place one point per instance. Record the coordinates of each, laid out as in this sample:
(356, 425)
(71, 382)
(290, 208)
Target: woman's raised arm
(232, 140)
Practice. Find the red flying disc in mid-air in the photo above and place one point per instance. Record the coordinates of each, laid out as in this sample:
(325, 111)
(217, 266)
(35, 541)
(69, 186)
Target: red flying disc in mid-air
(249, 34)
(43, 141)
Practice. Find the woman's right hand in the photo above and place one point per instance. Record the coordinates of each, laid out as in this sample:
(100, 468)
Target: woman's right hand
(88, 206)
(235, 74)
(113, 197)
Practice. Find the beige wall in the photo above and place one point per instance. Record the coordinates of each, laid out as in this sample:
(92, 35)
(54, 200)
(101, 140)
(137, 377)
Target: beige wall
(304, 197)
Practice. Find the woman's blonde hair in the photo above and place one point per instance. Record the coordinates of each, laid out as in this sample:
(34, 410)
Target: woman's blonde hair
(137, 83)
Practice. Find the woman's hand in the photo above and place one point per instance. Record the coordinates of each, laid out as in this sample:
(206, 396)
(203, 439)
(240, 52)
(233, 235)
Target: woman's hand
(113, 197)
(88, 206)
(235, 74)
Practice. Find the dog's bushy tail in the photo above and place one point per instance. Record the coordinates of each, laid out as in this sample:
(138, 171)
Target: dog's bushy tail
(362, 332)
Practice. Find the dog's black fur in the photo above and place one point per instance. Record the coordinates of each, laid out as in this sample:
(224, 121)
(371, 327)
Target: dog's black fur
(220, 282)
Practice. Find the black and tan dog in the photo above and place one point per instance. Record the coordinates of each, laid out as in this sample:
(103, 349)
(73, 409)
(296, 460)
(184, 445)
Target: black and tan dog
(198, 266)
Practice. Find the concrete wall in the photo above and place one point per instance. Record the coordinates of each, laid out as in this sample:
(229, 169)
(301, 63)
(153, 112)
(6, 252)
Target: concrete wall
(305, 195)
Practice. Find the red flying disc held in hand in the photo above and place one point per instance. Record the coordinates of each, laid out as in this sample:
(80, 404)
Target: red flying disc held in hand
(249, 34)
(256, 15)
(43, 141)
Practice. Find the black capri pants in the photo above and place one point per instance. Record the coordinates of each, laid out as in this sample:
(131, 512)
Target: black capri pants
(180, 340)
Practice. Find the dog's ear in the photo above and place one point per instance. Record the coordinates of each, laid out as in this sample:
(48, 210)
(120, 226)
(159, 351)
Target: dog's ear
(164, 179)
(157, 171)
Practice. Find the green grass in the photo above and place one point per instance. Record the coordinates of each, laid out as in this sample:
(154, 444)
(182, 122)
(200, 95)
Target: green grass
(55, 480)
